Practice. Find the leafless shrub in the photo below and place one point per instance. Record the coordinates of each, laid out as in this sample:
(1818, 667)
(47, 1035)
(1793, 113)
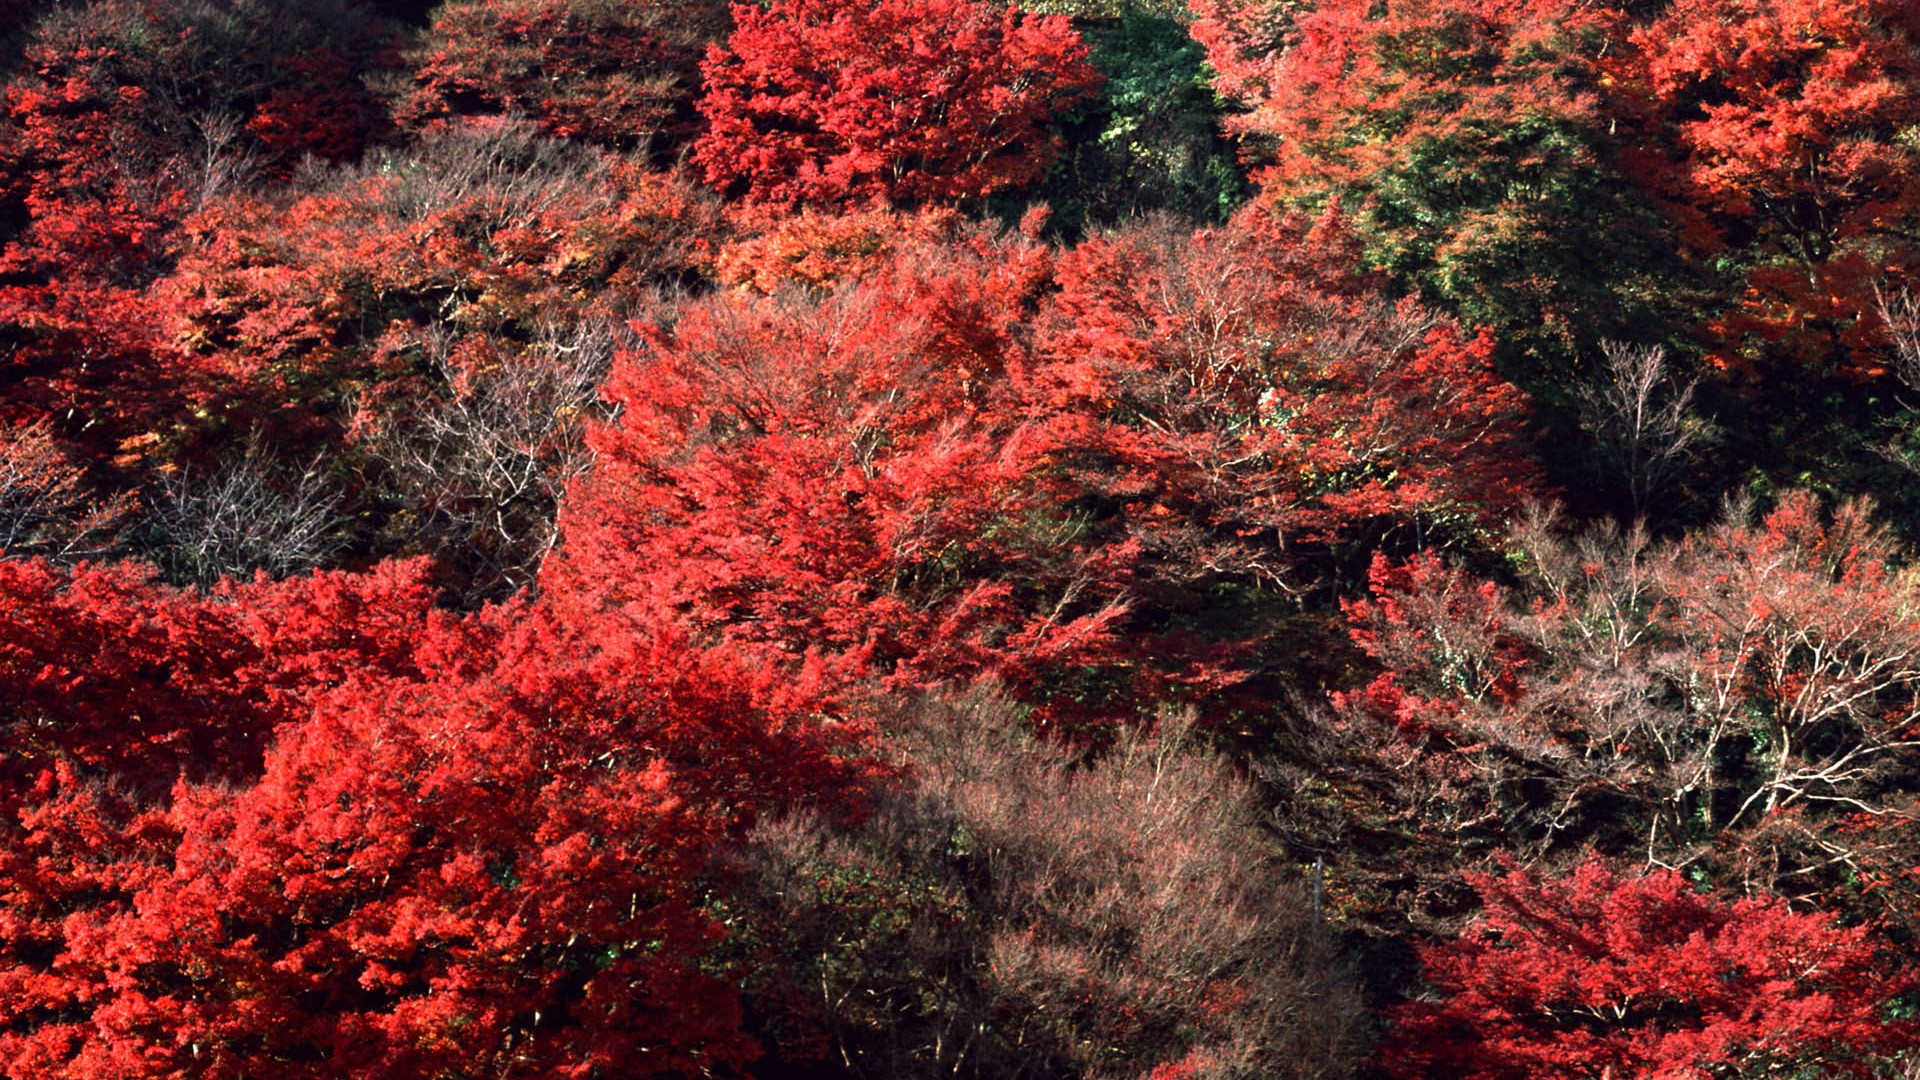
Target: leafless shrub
(1012, 911)
(46, 507)
(1641, 413)
(480, 468)
(506, 160)
(252, 514)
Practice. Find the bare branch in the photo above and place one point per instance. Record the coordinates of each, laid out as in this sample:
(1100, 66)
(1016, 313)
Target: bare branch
(46, 507)
(482, 467)
(1900, 314)
(1642, 415)
(253, 514)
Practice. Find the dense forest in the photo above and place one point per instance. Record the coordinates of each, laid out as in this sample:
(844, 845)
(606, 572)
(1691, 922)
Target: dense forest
(927, 538)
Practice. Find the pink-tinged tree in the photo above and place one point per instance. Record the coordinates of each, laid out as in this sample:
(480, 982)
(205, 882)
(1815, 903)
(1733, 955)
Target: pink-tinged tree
(617, 72)
(1012, 907)
(831, 102)
(1744, 699)
(1245, 40)
(482, 232)
(1607, 974)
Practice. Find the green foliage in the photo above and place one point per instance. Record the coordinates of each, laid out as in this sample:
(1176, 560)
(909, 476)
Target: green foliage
(1152, 141)
(1469, 144)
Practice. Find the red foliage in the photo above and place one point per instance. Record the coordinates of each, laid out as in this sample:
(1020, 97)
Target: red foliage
(822, 248)
(827, 102)
(284, 309)
(320, 110)
(75, 165)
(88, 355)
(109, 141)
(1435, 748)
(1598, 974)
(852, 477)
(1275, 394)
(905, 480)
(1776, 130)
(123, 119)
(1245, 41)
(91, 185)
(1443, 642)
(102, 667)
(467, 845)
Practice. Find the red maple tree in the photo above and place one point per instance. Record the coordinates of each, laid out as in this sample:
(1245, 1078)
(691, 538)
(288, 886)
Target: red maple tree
(987, 457)
(1774, 130)
(1604, 974)
(310, 828)
(846, 101)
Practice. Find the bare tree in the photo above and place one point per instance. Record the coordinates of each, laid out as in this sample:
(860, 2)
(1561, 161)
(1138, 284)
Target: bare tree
(481, 467)
(1900, 317)
(224, 162)
(1641, 413)
(252, 514)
